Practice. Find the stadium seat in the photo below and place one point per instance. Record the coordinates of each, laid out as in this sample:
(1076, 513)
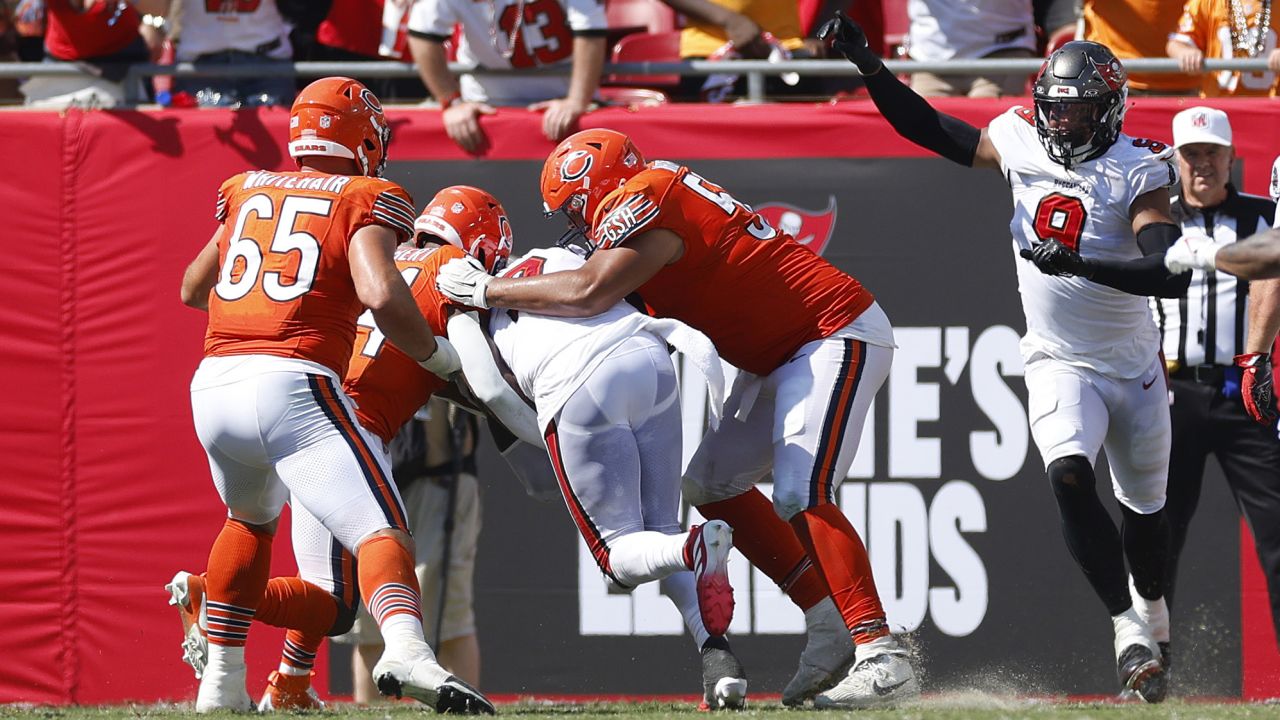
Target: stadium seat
(648, 47)
(896, 25)
(631, 16)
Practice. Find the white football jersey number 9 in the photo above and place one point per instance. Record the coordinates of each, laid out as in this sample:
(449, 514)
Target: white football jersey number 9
(285, 240)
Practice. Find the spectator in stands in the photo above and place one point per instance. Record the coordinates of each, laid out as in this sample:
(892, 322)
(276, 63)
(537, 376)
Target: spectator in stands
(1059, 20)
(1138, 29)
(103, 34)
(717, 27)
(517, 34)
(1228, 29)
(352, 31)
(8, 51)
(439, 496)
(232, 32)
(968, 29)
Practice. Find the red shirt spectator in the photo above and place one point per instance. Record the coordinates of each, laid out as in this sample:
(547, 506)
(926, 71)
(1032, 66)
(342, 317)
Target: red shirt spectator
(79, 30)
(353, 25)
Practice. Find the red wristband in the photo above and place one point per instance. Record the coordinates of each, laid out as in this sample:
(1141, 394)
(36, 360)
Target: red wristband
(448, 102)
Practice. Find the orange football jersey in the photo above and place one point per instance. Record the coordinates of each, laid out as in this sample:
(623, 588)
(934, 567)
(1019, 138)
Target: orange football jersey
(387, 386)
(284, 281)
(1207, 24)
(757, 293)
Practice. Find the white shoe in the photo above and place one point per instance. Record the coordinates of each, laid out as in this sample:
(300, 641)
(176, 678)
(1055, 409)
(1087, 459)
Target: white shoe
(223, 689)
(828, 654)
(882, 676)
(712, 542)
(421, 678)
(188, 596)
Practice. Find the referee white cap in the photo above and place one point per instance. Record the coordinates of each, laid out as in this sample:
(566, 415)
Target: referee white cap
(1201, 125)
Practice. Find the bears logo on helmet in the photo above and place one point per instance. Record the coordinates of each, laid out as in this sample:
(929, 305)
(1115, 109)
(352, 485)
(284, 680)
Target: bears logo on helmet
(340, 117)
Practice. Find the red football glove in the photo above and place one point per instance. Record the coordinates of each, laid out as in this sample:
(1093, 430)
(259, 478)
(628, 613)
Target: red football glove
(1256, 388)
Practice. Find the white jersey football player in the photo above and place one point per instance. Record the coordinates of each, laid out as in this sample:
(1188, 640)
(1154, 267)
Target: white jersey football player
(1091, 223)
(608, 408)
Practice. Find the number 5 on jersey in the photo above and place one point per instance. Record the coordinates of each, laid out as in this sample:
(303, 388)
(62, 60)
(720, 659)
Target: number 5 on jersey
(243, 264)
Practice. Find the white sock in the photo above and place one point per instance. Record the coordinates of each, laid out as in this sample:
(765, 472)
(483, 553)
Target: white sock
(287, 669)
(403, 632)
(1155, 613)
(1131, 630)
(683, 593)
(642, 557)
(225, 659)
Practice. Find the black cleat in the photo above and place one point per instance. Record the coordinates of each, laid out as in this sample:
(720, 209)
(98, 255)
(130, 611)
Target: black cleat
(1142, 675)
(724, 681)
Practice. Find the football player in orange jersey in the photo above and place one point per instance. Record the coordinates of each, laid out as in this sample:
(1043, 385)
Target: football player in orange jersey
(387, 387)
(816, 348)
(295, 259)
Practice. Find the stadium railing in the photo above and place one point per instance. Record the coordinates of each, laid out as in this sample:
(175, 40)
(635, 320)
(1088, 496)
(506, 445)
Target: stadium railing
(755, 70)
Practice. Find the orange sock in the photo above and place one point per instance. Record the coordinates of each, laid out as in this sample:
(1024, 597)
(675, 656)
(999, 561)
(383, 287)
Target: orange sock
(387, 581)
(770, 544)
(239, 564)
(294, 603)
(842, 559)
(299, 654)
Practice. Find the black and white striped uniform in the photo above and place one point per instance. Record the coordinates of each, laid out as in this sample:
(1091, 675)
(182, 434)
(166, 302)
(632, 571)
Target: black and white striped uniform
(1202, 332)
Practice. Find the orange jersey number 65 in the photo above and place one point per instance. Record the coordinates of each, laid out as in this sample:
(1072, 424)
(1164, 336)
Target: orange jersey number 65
(243, 264)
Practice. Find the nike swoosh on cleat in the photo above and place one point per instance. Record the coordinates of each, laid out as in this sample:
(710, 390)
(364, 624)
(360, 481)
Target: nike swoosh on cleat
(886, 689)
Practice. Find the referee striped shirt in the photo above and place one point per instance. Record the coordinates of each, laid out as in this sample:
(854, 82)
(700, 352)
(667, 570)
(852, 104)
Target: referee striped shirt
(1207, 325)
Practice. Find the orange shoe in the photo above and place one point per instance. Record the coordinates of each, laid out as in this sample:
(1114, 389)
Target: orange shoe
(290, 692)
(187, 592)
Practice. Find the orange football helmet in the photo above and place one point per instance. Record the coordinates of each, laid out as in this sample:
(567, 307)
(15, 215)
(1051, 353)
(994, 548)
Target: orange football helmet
(340, 117)
(471, 220)
(583, 169)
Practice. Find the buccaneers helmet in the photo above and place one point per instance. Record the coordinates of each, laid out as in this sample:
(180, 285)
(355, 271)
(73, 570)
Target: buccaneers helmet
(1080, 95)
(471, 220)
(340, 117)
(583, 169)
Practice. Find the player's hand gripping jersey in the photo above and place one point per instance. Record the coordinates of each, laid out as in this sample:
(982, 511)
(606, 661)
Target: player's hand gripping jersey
(284, 285)
(1086, 208)
(551, 357)
(756, 292)
(386, 385)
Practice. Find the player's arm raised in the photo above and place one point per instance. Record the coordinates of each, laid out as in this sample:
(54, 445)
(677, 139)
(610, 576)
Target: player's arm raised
(201, 275)
(381, 288)
(607, 277)
(908, 113)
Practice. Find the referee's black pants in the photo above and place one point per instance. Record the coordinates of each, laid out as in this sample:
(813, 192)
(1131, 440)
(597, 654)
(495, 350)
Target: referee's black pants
(1205, 422)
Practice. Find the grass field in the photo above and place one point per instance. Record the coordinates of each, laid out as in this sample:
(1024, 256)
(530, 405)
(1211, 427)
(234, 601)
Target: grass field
(947, 707)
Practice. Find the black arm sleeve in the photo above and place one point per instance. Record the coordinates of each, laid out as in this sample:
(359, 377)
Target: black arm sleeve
(1146, 275)
(916, 120)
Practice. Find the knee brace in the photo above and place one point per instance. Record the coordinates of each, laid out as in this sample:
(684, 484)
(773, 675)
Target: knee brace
(346, 618)
(1071, 477)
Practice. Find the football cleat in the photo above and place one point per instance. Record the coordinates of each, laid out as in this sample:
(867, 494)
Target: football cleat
(708, 550)
(881, 677)
(724, 681)
(1138, 663)
(187, 592)
(1141, 674)
(423, 679)
(289, 692)
(828, 654)
(222, 688)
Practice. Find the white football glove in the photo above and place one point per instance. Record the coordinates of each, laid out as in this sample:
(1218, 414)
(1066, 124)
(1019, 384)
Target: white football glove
(464, 280)
(1191, 252)
(444, 362)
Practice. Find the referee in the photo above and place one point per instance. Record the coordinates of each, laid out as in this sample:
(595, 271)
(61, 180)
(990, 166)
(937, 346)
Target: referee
(1202, 333)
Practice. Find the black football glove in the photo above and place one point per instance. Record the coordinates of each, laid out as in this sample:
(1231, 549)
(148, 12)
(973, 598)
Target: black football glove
(1053, 258)
(1256, 387)
(847, 38)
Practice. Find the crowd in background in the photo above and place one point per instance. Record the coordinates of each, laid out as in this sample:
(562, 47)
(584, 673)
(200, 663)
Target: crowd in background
(108, 36)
